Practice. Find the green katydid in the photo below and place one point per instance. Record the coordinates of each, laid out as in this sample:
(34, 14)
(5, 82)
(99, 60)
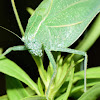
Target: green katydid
(56, 25)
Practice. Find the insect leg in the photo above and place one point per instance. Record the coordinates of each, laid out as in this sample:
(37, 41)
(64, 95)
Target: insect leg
(51, 58)
(79, 53)
(14, 48)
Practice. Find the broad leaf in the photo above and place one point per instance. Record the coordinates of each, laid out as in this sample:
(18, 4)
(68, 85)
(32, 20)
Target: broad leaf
(92, 94)
(40, 86)
(91, 73)
(15, 90)
(10, 68)
(4, 97)
(30, 91)
(80, 85)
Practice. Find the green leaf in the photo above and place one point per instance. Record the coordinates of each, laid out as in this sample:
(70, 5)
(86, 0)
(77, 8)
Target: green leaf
(41, 69)
(30, 91)
(69, 85)
(92, 94)
(80, 85)
(10, 68)
(4, 97)
(91, 73)
(93, 78)
(66, 70)
(15, 90)
(68, 90)
(35, 98)
(40, 86)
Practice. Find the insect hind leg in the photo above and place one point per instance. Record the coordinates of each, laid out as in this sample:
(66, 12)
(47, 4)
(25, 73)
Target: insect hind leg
(79, 53)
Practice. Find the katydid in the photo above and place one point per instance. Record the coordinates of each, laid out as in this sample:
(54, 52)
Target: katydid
(56, 25)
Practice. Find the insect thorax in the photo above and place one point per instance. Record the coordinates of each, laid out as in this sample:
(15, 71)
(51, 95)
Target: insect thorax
(33, 46)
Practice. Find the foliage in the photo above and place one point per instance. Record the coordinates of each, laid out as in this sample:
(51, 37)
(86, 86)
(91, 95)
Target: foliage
(67, 83)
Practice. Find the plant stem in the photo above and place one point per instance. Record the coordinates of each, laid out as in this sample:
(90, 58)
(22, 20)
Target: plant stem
(41, 70)
(69, 85)
(17, 17)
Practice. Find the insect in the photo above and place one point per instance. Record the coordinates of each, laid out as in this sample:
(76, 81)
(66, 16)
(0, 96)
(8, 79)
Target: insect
(55, 26)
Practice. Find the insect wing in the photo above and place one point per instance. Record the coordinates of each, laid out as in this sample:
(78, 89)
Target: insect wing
(61, 22)
(69, 18)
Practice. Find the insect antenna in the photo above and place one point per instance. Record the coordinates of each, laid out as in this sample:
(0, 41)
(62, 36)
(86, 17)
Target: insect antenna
(10, 32)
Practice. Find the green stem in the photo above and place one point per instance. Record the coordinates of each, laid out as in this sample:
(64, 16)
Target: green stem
(41, 70)
(69, 85)
(90, 38)
(17, 17)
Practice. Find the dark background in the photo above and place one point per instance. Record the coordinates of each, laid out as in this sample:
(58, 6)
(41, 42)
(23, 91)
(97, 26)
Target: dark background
(24, 59)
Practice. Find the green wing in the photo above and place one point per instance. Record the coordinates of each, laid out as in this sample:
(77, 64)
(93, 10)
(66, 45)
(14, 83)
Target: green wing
(69, 18)
(61, 21)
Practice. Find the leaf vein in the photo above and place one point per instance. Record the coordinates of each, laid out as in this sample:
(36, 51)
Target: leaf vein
(68, 25)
